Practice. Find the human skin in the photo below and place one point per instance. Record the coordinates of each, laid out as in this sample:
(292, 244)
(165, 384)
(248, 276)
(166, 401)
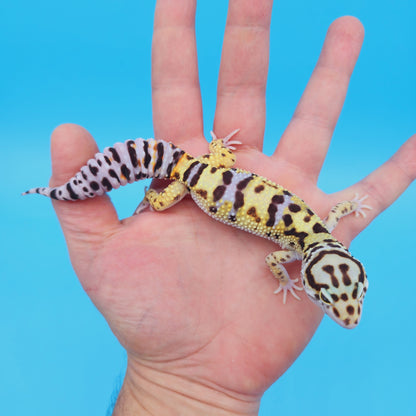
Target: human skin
(190, 299)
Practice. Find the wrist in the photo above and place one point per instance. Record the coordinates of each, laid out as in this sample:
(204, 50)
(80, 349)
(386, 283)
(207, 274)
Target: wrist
(147, 392)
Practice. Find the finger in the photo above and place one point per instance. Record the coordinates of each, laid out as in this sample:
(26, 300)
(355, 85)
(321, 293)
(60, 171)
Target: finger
(177, 107)
(243, 71)
(316, 115)
(82, 221)
(384, 185)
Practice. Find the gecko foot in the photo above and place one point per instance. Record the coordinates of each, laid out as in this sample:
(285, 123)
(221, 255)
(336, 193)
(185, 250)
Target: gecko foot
(359, 211)
(226, 140)
(290, 286)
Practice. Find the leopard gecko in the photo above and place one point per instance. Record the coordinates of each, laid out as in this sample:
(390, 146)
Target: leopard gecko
(330, 276)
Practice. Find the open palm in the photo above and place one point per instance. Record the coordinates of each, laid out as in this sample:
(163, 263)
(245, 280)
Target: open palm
(189, 298)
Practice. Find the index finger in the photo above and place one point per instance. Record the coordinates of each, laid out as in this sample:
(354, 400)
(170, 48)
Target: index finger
(241, 101)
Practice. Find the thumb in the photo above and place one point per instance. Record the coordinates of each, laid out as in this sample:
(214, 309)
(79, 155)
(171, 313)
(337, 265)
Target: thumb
(83, 222)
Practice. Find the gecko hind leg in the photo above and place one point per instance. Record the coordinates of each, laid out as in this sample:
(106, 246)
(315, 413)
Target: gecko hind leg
(168, 197)
(286, 284)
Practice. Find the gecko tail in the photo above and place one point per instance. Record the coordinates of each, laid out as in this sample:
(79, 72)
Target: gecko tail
(116, 166)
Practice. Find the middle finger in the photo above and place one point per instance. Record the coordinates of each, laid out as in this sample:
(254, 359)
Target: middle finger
(243, 71)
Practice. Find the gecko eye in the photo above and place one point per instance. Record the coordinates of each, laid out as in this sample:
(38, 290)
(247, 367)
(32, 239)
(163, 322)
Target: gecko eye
(360, 290)
(325, 296)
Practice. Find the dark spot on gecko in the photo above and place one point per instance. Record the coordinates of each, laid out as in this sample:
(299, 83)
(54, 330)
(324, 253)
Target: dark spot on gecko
(232, 217)
(294, 208)
(99, 162)
(95, 186)
(287, 219)
(239, 200)
(278, 199)
(345, 278)
(53, 194)
(309, 211)
(115, 154)
(307, 218)
(125, 171)
(147, 157)
(330, 270)
(202, 192)
(252, 212)
(347, 321)
(197, 175)
(258, 189)
(160, 150)
(218, 192)
(107, 184)
(188, 171)
(213, 169)
(132, 152)
(242, 184)
(299, 235)
(336, 312)
(350, 310)
(213, 209)
(344, 297)
(169, 169)
(318, 228)
(107, 159)
(272, 215)
(286, 192)
(227, 177)
(72, 194)
(114, 175)
(333, 245)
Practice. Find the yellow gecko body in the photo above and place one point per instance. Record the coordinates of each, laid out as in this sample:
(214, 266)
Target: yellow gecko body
(331, 277)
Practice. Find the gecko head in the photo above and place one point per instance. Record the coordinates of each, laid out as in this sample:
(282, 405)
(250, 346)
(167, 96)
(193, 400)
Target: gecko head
(335, 281)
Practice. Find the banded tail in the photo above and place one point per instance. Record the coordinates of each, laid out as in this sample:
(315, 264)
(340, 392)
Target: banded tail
(116, 166)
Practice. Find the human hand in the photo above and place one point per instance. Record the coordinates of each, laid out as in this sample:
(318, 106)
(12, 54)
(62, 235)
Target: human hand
(198, 319)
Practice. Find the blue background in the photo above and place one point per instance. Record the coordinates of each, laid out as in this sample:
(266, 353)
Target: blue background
(88, 62)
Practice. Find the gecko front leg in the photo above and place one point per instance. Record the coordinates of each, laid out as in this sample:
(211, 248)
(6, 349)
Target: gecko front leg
(286, 284)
